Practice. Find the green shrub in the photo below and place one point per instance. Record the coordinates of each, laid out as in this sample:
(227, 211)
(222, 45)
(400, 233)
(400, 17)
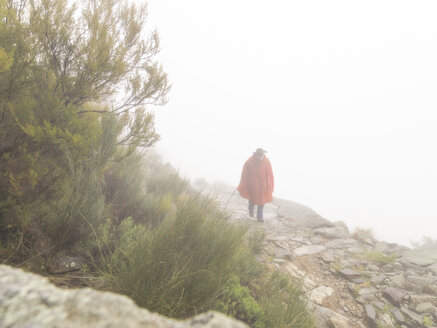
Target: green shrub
(280, 298)
(379, 257)
(179, 268)
(237, 302)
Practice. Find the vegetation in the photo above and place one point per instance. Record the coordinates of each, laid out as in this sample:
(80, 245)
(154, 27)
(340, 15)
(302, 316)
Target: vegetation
(74, 83)
(380, 258)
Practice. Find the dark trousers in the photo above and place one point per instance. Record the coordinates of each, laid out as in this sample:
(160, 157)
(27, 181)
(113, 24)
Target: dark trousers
(259, 210)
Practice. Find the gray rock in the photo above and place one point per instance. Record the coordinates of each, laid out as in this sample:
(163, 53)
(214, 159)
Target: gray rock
(378, 279)
(394, 295)
(422, 257)
(370, 314)
(332, 232)
(67, 264)
(301, 214)
(420, 282)
(417, 318)
(398, 315)
(380, 305)
(430, 289)
(426, 308)
(309, 250)
(385, 320)
(350, 274)
(397, 281)
(318, 294)
(389, 248)
(417, 299)
(28, 300)
(342, 243)
(366, 298)
(328, 257)
(367, 291)
(324, 317)
(372, 267)
(339, 322)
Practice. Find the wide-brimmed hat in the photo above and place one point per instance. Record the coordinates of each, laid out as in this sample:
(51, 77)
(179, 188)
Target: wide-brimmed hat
(260, 151)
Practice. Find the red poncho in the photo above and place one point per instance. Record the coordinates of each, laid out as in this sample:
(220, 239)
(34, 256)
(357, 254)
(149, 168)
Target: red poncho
(257, 181)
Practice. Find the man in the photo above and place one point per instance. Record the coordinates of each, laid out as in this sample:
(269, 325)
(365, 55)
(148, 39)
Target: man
(257, 182)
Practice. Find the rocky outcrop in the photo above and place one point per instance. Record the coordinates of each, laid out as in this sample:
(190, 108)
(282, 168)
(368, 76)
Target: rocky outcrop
(351, 280)
(28, 300)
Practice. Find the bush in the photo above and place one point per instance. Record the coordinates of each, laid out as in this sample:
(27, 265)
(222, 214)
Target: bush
(182, 266)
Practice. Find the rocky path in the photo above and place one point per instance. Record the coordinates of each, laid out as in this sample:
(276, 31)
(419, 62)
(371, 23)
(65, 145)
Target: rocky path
(351, 280)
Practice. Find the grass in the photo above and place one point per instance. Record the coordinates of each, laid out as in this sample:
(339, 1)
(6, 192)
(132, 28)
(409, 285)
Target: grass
(379, 258)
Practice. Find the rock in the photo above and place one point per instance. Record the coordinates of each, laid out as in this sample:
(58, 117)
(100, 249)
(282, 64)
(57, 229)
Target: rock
(394, 295)
(324, 318)
(279, 252)
(371, 267)
(420, 282)
(398, 315)
(430, 289)
(367, 291)
(385, 320)
(309, 250)
(397, 281)
(366, 298)
(28, 300)
(417, 318)
(380, 305)
(370, 315)
(328, 257)
(422, 257)
(301, 214)
(279, 261)
(332, 232)
(377, 279)
(337, 322)
(350, 274)
(66, 264)
(318, 294)
(426, 308)
(389, 248)
(342, 243)
(423, 298)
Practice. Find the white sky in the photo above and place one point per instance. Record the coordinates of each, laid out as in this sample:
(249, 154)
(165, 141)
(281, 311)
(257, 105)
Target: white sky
(342, 94)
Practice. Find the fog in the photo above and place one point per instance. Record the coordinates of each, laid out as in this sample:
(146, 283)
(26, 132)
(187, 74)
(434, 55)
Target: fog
(342, 94)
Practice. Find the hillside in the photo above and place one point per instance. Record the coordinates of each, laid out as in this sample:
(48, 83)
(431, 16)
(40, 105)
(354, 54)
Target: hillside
(351, 279)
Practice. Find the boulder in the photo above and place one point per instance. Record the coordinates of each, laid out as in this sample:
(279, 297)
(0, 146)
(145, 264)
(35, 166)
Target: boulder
(301, 214)
(28, 300)
(332, 232)
(309, 250)
(422, 257)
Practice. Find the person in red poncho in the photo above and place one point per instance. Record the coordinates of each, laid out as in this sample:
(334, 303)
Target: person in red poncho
(257, 182)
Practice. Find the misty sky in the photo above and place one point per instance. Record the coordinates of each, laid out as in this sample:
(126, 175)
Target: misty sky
(342, 94)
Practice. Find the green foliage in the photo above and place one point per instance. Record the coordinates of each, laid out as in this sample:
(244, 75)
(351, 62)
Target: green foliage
(427, 321)
(280, 298)
(180, 267)
(73, 84)
(379, 258)
(236, 301)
